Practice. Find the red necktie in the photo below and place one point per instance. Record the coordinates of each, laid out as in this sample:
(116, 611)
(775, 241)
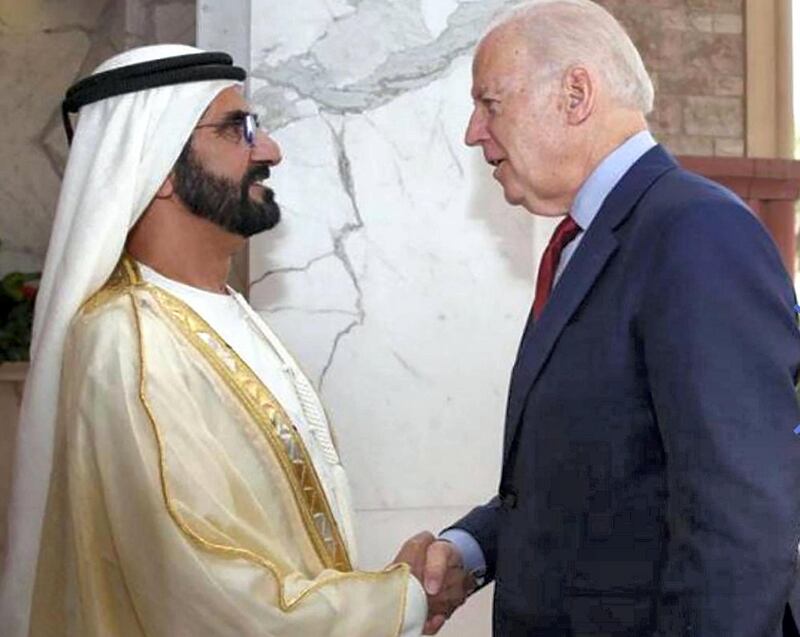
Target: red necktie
(565, 232)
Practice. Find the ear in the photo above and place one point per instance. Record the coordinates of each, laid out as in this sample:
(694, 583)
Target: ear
(167, 189)
(580, 94)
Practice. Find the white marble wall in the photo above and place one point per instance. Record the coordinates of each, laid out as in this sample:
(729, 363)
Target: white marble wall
(399, 277)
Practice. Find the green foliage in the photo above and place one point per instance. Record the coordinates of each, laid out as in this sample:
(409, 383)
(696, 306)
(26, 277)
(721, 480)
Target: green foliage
(17, 296)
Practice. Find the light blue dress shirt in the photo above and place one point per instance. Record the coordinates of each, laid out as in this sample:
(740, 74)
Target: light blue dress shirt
(587, 204)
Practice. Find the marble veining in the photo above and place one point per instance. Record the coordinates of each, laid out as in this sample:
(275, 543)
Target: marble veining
(368, 58)
(333, 79)
(340, 237)
(398, 277)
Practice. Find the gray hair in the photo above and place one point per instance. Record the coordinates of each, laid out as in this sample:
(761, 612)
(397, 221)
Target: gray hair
(563, 33)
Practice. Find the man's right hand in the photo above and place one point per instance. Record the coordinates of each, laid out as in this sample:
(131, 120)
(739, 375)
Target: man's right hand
(446, 583)
(414, 553)
(437, 564)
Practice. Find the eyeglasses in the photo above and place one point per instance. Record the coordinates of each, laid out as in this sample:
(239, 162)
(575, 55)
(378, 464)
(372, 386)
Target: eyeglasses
(247, 124)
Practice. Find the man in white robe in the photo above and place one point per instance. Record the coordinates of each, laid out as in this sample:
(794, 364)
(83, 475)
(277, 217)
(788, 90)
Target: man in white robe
(175, 471)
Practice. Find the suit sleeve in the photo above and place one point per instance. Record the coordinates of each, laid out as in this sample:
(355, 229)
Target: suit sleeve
(481, 523)
(722, 350)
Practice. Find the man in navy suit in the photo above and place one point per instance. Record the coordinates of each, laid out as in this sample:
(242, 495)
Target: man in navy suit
(651, 475)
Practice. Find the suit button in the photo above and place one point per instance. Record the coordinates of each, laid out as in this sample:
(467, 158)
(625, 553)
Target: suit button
(509, 499)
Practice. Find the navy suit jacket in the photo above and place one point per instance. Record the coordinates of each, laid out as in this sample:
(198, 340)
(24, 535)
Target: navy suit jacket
(651, 475)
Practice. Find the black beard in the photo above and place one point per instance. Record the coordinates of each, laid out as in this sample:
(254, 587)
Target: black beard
(220, 200)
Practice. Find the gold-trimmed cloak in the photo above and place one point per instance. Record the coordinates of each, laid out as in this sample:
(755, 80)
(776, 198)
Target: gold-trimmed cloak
(184, 501)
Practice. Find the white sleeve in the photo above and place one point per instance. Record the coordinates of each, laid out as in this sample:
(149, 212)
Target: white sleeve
(416, 611)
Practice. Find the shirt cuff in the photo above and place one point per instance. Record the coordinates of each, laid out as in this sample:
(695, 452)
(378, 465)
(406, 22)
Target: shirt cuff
(416, 611)
(471, 552)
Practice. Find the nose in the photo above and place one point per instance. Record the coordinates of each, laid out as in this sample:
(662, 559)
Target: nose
(476, 129)
(266, 149)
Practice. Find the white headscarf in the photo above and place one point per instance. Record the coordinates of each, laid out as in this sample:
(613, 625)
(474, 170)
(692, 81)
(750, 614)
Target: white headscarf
(123, 149)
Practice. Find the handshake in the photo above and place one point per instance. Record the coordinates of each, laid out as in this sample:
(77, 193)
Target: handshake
(438, 566)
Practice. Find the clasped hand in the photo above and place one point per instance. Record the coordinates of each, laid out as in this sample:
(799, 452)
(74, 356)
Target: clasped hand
(438, 566)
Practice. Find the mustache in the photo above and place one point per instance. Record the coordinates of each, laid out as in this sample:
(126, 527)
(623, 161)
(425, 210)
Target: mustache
(258, 172)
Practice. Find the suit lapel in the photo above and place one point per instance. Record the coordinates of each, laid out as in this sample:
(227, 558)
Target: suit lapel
(577, 279)
(596, 248)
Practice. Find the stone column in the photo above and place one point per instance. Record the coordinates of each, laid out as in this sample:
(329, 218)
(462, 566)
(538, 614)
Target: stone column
(399, 277)
(770, 121)
(770, 117)
(12, 379)
(45, 47)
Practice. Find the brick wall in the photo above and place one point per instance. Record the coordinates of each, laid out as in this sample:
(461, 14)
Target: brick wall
(695, 52)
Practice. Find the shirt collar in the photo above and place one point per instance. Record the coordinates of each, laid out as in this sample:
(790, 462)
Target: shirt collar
(601, 182)
(176, 287)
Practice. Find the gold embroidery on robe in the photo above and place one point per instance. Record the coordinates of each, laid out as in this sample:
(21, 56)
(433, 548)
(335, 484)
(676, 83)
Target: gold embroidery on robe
(164, 454)
(259, 402)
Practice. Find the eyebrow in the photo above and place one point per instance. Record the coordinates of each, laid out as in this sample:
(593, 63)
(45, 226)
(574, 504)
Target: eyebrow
(235, 116)
(484, 94)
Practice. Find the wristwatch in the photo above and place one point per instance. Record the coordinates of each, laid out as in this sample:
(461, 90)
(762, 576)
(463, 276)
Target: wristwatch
(479, 575)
